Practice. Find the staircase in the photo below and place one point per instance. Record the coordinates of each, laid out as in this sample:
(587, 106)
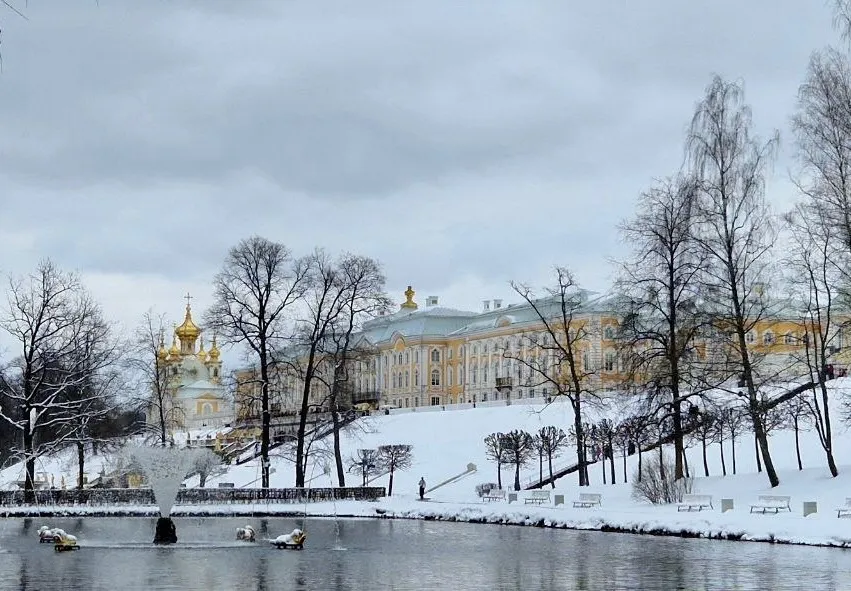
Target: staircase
(471, 468)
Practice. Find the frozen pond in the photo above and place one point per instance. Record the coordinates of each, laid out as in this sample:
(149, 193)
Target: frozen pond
(384, 554)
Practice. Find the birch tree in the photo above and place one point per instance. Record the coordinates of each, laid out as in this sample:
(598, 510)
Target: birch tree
(735, 234)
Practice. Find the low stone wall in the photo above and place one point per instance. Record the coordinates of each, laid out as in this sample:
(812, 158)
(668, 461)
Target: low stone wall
(191, 496)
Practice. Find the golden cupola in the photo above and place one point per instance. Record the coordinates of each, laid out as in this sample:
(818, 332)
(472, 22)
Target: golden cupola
(188, 332)
(202, 354)
(162, 352)
(174, 352)
(214, 353)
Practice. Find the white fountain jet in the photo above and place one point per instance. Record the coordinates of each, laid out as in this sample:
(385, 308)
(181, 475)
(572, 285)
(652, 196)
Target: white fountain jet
(165, 468)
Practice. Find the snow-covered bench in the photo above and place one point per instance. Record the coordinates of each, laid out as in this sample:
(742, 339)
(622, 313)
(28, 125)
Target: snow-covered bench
(695, 503)
(588, 500)
(846, 510)
(538, 497)
(494, 494)
(773, 503)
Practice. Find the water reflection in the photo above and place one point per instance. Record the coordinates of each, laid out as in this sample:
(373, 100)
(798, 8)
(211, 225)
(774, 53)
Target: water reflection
(400, 555)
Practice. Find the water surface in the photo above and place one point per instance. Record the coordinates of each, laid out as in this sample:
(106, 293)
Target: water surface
(365, 554)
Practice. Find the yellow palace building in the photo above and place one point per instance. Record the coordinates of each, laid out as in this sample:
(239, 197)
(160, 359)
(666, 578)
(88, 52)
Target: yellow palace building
(434, 355)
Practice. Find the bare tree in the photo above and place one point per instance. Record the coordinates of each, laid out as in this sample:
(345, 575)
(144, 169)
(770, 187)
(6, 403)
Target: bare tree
(96, 356)
(816, 274)
(662, 320)
(253, 294)
(562, 359)
(361, 281)
(519, 447)
(732, 419)
(324, 299)
(549, 441)
(606, 433)
(395, 457)
(47, 314)
(842, 17)
(797, 413)
(735, 233)
(148, 368)
(495, 451)
(365, 461)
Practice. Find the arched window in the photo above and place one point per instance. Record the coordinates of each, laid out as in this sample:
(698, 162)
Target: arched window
(407, 378)
(768, 338)
(435, 377)
(435, 356)
(417, 356)
(407, 357)
(206, 409)
(789, 339)
(416, 377)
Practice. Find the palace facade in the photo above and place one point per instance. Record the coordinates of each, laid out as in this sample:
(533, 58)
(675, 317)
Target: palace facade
(434, 355)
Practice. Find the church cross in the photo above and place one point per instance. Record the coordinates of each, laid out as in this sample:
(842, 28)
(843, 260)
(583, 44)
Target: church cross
(188, 297)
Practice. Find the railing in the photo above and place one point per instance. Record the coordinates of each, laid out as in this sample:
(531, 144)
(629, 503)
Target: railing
(504, 382)
(191, 496)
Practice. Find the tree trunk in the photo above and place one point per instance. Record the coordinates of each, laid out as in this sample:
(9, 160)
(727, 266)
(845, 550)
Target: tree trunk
(202, 479)
(266, 421)
(612, 462)
(756, 452)
(797, 442)
(517, 475)
(29, 466)
(661, 461)
(338, 456)
(639, 462)
(762, 438)
(499, 475)
(550, 465)
(80, 464)
(723, 463)
(705, 463)
(733, 449)
(624, 465)
(685, 463)
(580, 443)
(680, 461)
(390, 487)
(603, 467)
(541, 466)
(827, 444)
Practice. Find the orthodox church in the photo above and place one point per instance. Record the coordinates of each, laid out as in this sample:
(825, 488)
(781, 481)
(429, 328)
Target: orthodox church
(197, 397)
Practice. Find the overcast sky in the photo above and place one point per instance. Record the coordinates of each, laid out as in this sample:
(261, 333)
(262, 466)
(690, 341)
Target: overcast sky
(463, 144)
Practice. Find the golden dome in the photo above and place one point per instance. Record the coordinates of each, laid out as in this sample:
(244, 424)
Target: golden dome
(162, 352)
(188, 331)
(175, 350)
(214, 351)
(202, 354)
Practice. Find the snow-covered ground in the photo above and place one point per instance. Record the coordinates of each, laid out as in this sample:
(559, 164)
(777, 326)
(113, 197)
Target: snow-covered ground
(444, 442)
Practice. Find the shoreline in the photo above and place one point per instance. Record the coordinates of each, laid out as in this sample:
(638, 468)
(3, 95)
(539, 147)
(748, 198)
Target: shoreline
(467, 513)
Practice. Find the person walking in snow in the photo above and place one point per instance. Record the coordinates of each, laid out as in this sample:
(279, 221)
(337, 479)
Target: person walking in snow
(422, 487)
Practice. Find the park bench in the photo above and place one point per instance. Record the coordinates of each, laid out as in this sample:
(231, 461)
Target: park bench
(773, 503)
(846, 510)
(695, 503)
(495, 494)
(588, 500)
(538, 497)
